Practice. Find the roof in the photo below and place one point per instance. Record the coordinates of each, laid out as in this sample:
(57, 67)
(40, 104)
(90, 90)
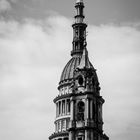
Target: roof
(68, 71)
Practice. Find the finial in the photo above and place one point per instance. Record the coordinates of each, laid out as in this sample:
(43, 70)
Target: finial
(77, 1)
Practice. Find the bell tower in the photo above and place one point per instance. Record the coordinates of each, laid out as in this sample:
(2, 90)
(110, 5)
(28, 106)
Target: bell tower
(79, 103)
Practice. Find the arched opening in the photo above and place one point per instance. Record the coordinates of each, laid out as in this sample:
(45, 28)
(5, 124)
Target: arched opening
(80, 80)
(66, 138)
(80, 110)
(79, 138)
(81, 106)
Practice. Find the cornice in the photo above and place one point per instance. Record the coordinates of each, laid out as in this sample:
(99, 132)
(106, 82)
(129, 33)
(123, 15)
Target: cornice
(59, 134)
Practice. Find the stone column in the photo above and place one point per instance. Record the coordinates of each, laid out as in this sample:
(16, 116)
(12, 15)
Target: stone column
(87, 112)
(72, 124)
(91, 109)
(87, 135)
(91, 135)
(72, 109)
(87, 109)
(71, 136)
(56, 109)
(55, 127)
(60, 125)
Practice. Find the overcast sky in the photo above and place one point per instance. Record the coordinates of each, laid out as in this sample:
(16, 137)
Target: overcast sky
(35, 45)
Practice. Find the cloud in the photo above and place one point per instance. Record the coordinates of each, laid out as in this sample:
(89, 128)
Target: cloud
(116, 55)
(32, 56)
(29, 67)
(5, 5)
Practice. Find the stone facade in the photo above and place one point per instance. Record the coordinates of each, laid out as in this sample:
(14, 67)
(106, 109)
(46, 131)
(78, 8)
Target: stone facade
(79, 104)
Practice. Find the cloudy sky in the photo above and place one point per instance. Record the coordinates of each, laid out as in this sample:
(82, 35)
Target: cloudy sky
(35, 45)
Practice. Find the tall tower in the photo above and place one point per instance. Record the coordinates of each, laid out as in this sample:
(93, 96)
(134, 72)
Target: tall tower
(79, 104)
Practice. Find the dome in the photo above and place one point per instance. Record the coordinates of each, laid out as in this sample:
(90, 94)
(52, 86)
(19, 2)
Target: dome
(70, 67)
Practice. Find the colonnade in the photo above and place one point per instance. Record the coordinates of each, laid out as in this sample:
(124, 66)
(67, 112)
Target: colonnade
(62, 125)
(63, 107)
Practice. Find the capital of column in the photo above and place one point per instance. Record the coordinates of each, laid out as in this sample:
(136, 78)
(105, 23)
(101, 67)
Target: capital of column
(72, 99)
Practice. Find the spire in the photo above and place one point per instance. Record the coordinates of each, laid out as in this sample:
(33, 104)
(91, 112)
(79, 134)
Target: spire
(79, 29)
(84, 63)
